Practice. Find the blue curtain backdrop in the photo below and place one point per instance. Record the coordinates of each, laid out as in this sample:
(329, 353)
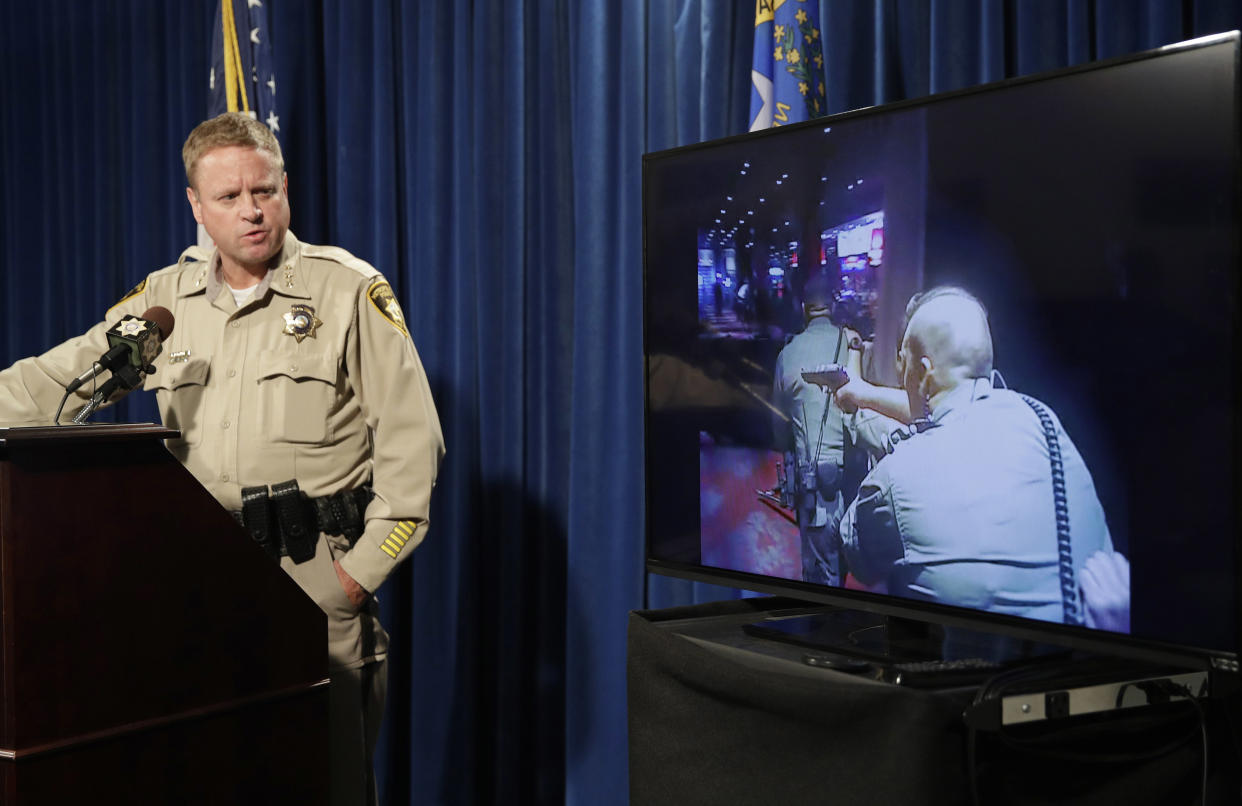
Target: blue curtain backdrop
(486, 156)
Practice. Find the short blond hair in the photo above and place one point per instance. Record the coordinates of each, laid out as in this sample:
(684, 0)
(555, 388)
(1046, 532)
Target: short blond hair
(229, 129)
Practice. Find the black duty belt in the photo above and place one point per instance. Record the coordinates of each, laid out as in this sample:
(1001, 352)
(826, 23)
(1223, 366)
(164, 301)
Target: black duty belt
(286, 522)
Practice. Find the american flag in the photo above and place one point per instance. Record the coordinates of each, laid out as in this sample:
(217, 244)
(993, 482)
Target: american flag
(242, 78)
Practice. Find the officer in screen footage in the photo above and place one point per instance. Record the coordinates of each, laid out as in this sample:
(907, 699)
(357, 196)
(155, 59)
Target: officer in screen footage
(809, 433)
(968, 508)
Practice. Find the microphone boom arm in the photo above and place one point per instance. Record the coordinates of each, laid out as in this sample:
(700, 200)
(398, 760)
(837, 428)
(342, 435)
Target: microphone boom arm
(125, 377)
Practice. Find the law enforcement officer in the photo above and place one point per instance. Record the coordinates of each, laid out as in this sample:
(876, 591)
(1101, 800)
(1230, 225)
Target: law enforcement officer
(302, 404)
(963, 511)
(809, 431)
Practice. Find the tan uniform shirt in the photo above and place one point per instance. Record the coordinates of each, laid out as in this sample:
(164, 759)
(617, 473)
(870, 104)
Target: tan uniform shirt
(315, 378)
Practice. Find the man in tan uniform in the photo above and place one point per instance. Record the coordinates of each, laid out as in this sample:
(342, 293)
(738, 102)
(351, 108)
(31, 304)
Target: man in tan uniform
(287, 363)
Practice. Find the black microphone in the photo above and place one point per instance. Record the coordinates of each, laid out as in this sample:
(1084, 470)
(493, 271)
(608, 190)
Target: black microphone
(133, 341)
(135, 344)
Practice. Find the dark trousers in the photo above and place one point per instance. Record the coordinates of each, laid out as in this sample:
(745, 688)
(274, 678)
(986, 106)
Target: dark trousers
(821, 545)
(357, 704)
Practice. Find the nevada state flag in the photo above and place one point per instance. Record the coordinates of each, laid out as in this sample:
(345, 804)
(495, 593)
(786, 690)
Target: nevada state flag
(787, 72)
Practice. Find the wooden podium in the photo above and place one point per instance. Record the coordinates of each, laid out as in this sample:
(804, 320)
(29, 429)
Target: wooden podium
(150, 652)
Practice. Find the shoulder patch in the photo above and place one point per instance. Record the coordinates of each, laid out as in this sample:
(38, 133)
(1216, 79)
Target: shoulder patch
(133, 292)
(384, 301)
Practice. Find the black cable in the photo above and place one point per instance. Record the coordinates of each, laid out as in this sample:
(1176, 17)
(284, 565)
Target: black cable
(1233, 740)
(1203, 731)
(1044, 746)
(60, 408)
(983, 693)
(1170, 688)
(68, 391)
(972, 764)
(1065, 560)
(1100, 757)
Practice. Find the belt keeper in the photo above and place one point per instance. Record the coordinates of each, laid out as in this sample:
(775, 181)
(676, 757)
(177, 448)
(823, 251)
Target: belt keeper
(257, 518)
(329, 517)
(351, 520)
(295, 526)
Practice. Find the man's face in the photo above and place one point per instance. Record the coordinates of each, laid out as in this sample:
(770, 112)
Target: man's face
(241, 198)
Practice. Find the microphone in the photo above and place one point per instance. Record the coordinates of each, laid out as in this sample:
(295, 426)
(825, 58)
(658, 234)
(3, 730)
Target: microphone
(133, 341)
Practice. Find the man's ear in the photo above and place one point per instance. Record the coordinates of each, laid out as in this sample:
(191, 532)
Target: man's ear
(195, 207)
(926, 373)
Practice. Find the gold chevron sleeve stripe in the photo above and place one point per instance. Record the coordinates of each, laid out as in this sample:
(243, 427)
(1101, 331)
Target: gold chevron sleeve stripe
(402, 532)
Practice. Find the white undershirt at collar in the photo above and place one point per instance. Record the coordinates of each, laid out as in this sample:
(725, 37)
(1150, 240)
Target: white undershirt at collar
(241, 295)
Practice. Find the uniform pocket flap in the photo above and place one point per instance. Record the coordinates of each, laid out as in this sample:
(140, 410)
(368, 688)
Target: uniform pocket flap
(298, 367)
(172, 376)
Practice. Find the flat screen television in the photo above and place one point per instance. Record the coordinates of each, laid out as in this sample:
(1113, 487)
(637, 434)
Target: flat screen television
(1094, 214)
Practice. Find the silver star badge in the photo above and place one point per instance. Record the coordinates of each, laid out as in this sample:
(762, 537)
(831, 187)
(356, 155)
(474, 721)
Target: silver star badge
(301, 322)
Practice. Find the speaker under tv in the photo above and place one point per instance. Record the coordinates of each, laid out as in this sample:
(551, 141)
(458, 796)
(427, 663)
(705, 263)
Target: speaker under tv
(1094, 213)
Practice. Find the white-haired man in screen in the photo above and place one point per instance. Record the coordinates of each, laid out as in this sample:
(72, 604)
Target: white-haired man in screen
(963, 510)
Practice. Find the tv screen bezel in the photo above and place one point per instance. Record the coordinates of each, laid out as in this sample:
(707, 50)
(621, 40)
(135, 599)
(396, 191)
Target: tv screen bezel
(1080, 638)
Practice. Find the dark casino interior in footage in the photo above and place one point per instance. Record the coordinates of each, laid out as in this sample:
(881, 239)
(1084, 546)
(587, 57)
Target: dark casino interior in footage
(750, 259)
(1087, 224)
(767, 223)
